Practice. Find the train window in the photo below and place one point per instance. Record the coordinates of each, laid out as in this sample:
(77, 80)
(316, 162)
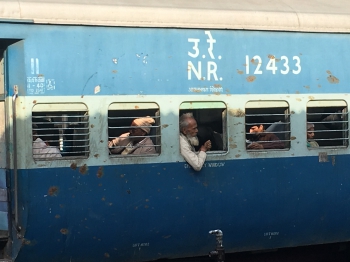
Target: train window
(267, 125)
(134, 129)
(211, 121)
(327, 123)
(63, 128)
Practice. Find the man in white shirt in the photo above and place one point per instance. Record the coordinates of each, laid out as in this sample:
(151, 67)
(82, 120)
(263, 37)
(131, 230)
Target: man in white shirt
(42, 149)
(188, 139)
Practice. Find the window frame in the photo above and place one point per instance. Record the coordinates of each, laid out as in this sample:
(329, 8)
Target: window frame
(58, 110)
(134, 107)
(331, 104)
(283, 122)
(194, 106)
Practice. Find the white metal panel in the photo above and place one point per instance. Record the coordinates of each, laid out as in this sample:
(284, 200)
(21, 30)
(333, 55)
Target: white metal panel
(326, 103)
(133, 106)
(285, 15)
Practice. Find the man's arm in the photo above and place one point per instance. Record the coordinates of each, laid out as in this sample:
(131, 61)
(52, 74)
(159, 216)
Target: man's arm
(195, 160)
(273, 142)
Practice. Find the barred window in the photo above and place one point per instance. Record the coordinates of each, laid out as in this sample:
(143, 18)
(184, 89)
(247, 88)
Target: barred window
(60, 131)
(134, 129)
(327, 124)
(274, 118)
(211, 118)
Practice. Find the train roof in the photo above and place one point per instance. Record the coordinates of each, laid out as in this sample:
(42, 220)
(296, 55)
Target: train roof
(275, 15)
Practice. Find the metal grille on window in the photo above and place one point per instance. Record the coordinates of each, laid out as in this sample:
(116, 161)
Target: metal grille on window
(273, 115)
(329, 120)
(60, 131)
(120, 118)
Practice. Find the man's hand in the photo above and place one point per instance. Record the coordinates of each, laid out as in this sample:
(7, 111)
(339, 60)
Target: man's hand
(255, 146)
(111, 143)
(206, 146)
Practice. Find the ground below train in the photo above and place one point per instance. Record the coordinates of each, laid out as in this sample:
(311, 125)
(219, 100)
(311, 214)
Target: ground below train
(338, 252)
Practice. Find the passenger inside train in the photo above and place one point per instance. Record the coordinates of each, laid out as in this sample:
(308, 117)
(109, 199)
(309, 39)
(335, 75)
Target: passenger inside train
(189, 139)
(310, 135)
(136, 141)
(41, 148)
(260, 139)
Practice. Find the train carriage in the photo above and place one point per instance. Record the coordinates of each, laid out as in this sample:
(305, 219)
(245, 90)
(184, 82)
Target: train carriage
(77, 73)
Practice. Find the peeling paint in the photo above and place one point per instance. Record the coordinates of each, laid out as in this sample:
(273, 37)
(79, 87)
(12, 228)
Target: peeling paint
(83, 169)
(26, 242)
(97, 89)
(233, 146)
(293, 138)
(165, 126)
(53, 191)
(254, 62)
(92, 126)
(238, 155)
(64, 231)
(73, 166)
(236, 112)
(100, 172)
(333, 160)
(34, 101)
(240, 72)
(251, 79)
(271, 56)
(311, 98)
(332, 79)
(96, 155)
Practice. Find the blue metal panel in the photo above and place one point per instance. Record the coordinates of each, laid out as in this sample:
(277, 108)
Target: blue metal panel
(67, 60)
(146, 212)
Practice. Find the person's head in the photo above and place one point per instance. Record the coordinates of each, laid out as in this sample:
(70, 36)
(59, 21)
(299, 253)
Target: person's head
(140, 127)
(310, 131)
(188, 127)
(256, 129)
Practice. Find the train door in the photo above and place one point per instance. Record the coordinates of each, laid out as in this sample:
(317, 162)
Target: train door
(3, 156)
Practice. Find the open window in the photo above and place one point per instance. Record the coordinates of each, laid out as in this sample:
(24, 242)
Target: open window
(63, 128)
(274, 116)
(329, 119)
(211, 118)
(120, 118)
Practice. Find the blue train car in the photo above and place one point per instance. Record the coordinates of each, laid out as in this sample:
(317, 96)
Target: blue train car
(76, 74)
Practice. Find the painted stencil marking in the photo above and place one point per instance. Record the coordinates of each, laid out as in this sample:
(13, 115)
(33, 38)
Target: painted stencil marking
(37, 84)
